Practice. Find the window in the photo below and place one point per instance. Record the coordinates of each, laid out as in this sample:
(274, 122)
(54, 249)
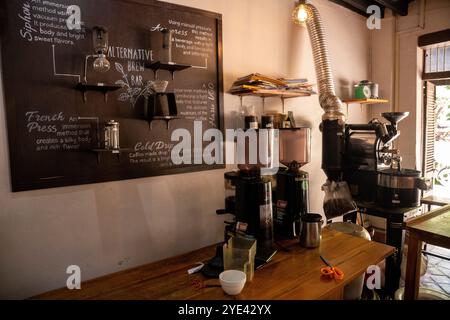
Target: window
(442, 141)
(430, 129)
(437, 59)
(437, 55)
(436, 135)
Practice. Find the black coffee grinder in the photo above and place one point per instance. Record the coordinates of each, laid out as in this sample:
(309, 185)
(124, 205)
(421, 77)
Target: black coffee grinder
(292, 194)
(249, 200)
(253, 208)
(249, 195)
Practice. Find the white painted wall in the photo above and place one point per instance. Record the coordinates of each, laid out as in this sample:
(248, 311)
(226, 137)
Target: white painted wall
(437, 17)
(114, 226)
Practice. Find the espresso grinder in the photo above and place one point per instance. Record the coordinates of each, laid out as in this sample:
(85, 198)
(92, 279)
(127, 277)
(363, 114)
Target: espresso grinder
(292, 193)
(249, 198)
(253, 208)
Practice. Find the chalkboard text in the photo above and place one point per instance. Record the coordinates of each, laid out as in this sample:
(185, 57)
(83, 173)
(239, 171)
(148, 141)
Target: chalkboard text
(40, 123)
(27, 31)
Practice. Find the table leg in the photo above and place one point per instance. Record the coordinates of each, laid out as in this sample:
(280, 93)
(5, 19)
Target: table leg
(412, 277)
(394, 237)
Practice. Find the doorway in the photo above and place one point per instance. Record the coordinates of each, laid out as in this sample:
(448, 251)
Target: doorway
(442, 142)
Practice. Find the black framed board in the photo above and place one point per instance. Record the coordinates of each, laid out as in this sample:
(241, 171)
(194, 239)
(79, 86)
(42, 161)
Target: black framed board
(55, 126)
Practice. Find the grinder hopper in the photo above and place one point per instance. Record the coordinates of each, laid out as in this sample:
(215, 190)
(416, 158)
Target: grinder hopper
(395, 117)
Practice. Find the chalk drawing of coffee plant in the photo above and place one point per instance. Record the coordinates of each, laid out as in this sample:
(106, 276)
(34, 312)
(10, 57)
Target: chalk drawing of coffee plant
(131, 94)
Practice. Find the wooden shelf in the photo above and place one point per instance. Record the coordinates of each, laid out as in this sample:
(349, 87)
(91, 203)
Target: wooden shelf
(283, 94)
(365, 101)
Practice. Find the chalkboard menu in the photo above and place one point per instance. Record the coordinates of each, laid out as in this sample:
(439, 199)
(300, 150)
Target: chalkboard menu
(56, 119)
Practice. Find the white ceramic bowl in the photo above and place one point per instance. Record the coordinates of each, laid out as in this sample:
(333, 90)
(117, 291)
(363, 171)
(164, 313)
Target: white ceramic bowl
(233, 281)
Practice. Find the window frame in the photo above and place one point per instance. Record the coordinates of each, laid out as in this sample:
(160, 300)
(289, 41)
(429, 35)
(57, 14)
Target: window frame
(429, 41)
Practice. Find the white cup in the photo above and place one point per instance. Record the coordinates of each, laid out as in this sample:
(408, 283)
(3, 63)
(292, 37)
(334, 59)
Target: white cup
(233, 281)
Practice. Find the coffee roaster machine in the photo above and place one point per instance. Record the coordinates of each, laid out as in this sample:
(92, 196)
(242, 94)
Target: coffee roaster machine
(368, 150)
(373, 167)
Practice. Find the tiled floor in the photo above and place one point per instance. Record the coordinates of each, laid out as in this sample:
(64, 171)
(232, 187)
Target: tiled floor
(438, 272)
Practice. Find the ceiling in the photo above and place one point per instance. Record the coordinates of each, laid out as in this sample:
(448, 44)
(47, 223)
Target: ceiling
(400, 7)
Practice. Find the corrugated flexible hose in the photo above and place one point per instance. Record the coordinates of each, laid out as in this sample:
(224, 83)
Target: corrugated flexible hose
(333, 120)
(331, 104)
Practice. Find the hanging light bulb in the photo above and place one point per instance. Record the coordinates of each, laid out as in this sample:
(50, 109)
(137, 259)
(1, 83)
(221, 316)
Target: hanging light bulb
(300, 15)
(100, 42)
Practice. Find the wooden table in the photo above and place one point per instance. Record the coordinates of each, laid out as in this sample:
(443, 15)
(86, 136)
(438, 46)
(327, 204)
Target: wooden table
(430, 201)
(433, 228)
(435, 201)
(294, 273)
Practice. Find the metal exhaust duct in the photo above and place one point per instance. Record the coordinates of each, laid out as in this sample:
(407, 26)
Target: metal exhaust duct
(333, 120)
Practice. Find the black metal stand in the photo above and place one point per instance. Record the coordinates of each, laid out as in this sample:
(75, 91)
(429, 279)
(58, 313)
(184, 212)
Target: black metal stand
(171, 67)
(154, 108)
(104, 88)
(395, 218)
(116, 152)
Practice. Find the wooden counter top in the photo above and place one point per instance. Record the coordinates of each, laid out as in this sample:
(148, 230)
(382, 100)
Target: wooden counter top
(294, 273)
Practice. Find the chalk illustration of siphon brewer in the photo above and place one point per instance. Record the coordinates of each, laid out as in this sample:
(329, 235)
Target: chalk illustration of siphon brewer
(101, 64)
